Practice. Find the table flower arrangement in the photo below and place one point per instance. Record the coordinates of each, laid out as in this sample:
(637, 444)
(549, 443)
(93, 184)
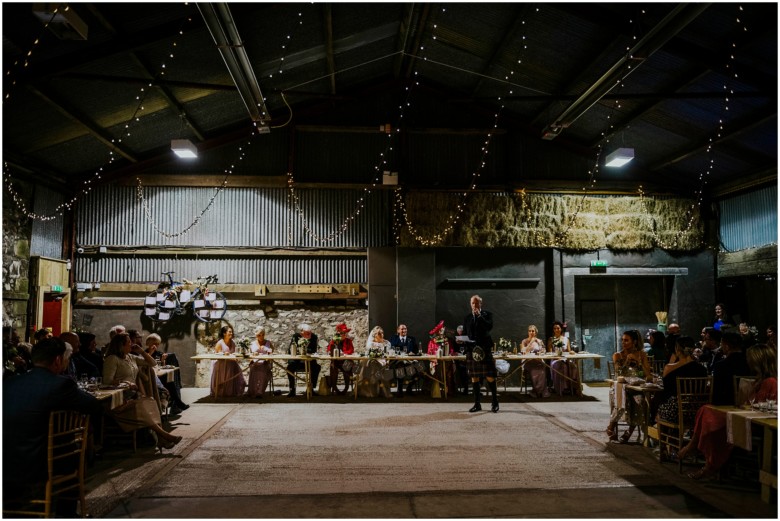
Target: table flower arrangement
(376, 350)
(243, 346)
(504, 344)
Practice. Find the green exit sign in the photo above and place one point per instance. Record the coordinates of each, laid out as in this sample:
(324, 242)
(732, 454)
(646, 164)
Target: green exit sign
(56, 288)
(598, 264)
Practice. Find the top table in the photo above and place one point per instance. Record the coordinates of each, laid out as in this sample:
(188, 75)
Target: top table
(307, 359)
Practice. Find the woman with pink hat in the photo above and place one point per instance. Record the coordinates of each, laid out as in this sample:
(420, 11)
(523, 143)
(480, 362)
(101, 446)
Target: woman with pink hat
(342, 342)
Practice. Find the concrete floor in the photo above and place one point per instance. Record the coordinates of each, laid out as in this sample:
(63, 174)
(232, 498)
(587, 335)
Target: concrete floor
(417, 457)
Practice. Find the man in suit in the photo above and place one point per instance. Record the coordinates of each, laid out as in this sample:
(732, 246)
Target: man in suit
(404, 343)
(724, 370)
(79, 365)
(479, 356)
(304, 339)
(27, 401)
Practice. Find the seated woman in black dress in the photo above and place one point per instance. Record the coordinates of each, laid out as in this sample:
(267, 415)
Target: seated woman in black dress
(665, 402)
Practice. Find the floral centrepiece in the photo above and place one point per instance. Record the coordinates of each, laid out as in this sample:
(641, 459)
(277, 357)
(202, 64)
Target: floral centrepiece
(504, 344)
(243, 346)
(376, 351)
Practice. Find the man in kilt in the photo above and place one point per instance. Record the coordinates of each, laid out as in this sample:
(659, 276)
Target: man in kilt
(479, 356)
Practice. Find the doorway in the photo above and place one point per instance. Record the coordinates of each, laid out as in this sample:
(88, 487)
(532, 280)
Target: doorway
(599, 335)
(52, 313)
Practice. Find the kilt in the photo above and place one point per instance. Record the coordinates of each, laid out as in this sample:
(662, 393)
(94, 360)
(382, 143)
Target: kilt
(483, 368)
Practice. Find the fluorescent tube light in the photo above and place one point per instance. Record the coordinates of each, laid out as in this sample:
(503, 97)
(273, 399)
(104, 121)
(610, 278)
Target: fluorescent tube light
(619, 157)
(184, 148)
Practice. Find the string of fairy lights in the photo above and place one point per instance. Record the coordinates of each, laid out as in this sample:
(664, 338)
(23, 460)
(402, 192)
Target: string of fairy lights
(196, 221)
(24, 61)
(401, 214)
(379, 168)
(559, 238)
(126, 132)
(695, 208)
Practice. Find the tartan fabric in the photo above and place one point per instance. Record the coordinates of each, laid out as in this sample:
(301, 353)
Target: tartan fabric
(484, 368)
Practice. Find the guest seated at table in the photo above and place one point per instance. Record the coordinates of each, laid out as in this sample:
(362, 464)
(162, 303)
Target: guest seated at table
(17, 357)
(404, 343)
(709, 431)
(771, 336)
(169, 359)
(461, 370)
(153, 342)
(724, 370)
(89, 349)
(657, 343)
(260, 372)
(141, 410)
(342, 343)
(565, 374)
(631, 360)
(28, 399)
(710, 347)
(440, 344)
(375, 374)
(748, 333)
(42, 334)
(304, 341)
(227, 379)
(80, 364)
(664, 403)
(536, 369)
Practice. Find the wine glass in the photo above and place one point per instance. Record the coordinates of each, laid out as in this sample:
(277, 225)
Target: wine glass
(752, 401)
(771, 401)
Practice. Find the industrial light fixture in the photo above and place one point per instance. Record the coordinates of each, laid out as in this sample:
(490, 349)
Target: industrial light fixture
(619, 157)
(184, 148)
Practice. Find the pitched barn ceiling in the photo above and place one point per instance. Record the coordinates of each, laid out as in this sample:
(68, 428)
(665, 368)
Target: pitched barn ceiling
(103, 88)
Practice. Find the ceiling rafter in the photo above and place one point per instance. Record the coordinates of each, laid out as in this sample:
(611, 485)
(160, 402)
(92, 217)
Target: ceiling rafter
(327, 22)
(404, 29)
(503, 43)
(83, 120)
(736, 128)
(674, 22)
(419, 32)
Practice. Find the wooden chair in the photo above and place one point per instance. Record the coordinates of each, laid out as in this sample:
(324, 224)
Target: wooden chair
(743, 385)
(66, 450)
(658, 367)
(692, 393)
(611, 369)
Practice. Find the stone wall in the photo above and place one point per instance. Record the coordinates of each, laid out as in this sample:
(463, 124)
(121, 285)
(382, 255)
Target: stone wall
(17, 233)
(279, 323)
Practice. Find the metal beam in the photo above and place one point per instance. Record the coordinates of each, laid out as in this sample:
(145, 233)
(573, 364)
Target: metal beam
(77, 117)
(327, 22)
(223, 30)
(665, 30)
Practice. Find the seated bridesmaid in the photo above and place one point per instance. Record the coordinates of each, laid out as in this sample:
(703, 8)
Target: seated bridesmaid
(536, 369)
(709, 431)
(260, 372)
(565, 374)
(226, 376)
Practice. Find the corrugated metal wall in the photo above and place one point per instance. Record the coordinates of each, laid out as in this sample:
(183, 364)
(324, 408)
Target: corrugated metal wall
(240, 217)
(113, 216)
(749, 220)
(255, 270)
(46, 239)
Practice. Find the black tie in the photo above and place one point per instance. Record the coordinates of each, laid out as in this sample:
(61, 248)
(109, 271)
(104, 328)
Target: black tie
(403, 339)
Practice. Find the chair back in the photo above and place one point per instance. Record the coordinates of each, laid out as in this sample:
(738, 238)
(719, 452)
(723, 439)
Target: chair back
(692, 393)
(611, 369)
(743, 387)
(66, 451)
(658, 367)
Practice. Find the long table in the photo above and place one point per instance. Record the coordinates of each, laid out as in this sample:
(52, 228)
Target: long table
(768, 421)
(277, 359)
